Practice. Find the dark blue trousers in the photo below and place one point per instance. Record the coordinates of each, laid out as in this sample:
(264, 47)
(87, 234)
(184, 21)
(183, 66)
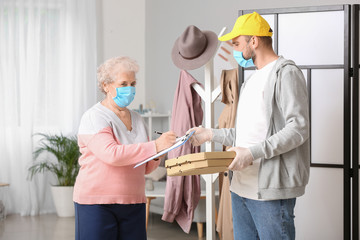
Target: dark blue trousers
(110, 222)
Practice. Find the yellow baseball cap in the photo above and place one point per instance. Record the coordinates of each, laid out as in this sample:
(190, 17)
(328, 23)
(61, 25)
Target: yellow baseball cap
(251, 24)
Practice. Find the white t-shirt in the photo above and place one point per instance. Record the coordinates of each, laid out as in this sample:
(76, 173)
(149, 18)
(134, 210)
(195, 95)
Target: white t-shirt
(251, 128)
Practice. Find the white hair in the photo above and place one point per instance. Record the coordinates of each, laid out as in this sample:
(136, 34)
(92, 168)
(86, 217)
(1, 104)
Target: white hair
(105, 71)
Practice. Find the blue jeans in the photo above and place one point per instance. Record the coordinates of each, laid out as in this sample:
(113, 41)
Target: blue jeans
(110, 221)
(263, 220)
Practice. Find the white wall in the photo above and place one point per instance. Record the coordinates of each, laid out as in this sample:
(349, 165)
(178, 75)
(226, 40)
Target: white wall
(146, 30)
(121, 32)
(166, 20)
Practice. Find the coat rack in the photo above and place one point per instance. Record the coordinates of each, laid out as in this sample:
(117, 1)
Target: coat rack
(209, 95)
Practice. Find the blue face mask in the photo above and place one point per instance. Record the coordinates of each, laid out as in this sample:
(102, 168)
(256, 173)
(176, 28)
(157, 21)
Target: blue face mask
(242, 61)
(124, 96)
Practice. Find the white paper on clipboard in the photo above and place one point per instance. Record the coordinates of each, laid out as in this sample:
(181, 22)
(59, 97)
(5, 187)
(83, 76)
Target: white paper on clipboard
(180, 141)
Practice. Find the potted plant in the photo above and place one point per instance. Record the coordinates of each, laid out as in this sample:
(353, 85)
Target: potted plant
(65, 167)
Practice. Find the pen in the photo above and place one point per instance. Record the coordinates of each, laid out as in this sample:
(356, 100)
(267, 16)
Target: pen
(157, 132)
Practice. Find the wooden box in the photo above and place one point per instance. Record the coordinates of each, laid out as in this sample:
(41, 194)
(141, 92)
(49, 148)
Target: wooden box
(199, 163)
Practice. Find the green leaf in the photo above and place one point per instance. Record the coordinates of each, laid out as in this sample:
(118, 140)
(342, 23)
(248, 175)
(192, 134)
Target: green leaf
(66, 152)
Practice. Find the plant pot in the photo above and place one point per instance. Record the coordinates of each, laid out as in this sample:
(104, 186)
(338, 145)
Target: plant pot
(63, 200)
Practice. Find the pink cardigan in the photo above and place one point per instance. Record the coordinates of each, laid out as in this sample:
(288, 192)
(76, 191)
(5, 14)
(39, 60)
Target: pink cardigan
(182, 194)
(109, 153)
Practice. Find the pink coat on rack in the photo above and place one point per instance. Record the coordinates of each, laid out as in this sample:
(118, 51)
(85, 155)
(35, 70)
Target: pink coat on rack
(182, 193)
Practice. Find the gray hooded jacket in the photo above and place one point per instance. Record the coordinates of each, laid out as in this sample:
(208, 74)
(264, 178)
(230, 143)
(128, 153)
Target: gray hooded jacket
(285, 152)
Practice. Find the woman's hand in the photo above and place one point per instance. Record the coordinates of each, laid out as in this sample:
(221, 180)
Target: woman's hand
(166, 140)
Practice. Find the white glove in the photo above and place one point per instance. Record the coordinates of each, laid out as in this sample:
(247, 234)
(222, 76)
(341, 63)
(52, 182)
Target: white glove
(200, 135)
(242, 159)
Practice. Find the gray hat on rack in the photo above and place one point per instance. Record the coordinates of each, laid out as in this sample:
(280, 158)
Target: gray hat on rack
(194, 48)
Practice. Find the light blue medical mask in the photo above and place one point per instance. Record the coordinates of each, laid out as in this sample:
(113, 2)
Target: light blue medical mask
(124, 96)
(242, 61)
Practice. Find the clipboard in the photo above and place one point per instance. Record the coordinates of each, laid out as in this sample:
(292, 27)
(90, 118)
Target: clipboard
(179, 142)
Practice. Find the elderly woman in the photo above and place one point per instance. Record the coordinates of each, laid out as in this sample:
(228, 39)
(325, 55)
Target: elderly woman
(109, 193)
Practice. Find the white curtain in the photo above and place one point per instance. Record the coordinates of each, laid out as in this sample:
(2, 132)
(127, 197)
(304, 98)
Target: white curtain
(47, 81)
